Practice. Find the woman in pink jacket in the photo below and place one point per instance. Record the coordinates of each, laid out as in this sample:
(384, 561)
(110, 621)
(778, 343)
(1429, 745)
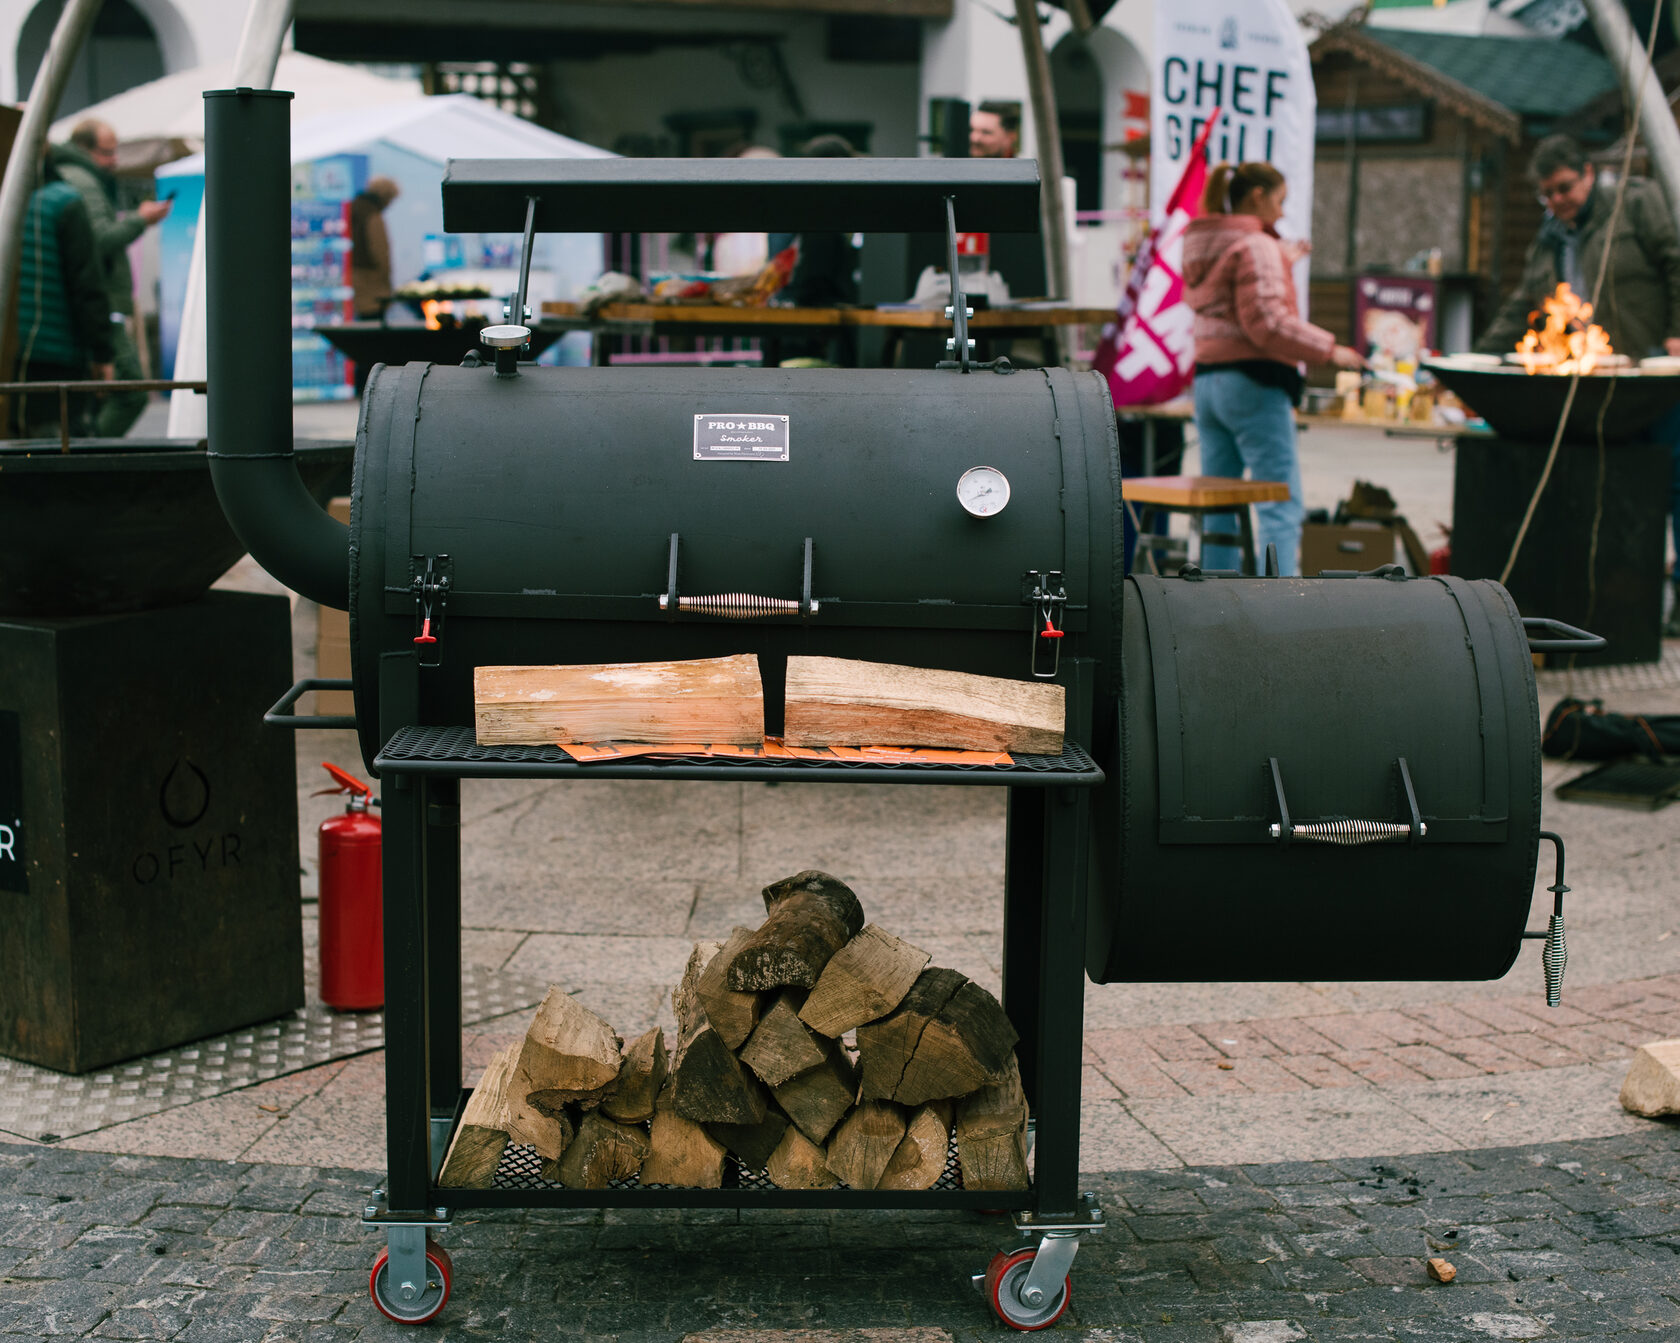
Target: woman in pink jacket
(1250, 343)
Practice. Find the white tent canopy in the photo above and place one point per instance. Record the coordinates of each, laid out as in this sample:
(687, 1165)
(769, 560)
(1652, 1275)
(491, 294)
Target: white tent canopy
(452, 125)
(164, 119)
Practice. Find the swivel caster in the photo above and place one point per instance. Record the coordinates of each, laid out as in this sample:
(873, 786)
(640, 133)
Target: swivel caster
(409, 1302)
(1018, 1303)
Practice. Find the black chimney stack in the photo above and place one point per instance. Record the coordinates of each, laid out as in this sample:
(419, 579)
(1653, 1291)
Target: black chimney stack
(248, 287)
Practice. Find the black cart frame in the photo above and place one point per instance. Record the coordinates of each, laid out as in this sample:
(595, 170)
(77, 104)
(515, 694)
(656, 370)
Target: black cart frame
(1046, 867)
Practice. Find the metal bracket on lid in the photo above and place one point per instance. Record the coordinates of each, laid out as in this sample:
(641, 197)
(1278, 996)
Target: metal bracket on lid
(1346, 831)
(430, 585)
(1048, 598)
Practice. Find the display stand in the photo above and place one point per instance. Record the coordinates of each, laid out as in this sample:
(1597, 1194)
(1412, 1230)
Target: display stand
(1043, 994)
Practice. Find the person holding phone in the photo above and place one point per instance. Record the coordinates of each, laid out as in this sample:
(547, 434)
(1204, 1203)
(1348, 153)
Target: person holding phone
(88, 161)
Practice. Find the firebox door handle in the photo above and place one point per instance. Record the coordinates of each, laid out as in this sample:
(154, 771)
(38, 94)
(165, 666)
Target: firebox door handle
(1572, 640)
(1555, 956)
(1347, 831)
(738, 605)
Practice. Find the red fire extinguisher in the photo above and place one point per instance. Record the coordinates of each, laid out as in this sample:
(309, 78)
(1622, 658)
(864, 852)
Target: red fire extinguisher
(352, 902)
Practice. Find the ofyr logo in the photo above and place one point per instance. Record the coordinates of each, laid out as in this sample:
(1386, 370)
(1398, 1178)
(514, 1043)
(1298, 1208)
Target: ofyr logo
(184, 796)
(184, 800)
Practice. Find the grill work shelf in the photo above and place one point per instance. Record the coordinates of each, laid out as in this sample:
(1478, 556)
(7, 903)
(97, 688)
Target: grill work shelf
(453, 751)
(1046, 871)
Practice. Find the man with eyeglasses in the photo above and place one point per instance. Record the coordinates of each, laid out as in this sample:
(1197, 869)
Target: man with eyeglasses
(1639, 296)
(88, 162)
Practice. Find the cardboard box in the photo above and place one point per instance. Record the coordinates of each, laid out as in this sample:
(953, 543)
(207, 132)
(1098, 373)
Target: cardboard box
(1358, 545)
(332, 643)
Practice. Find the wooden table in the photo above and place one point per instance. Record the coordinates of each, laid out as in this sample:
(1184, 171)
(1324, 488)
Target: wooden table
(715, 319)
(1198, 496)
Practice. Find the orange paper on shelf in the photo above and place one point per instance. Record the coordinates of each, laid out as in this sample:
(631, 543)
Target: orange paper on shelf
(773, 748)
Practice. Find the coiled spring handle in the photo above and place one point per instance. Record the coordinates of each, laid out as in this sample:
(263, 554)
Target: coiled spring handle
(1555, 956)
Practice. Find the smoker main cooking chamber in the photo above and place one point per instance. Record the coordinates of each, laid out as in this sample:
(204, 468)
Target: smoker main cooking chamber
(572, 515)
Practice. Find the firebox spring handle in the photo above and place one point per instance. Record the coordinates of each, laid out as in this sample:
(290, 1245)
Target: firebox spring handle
(1555, 956)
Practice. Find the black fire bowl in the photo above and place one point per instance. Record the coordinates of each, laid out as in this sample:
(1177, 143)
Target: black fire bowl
(1518, 404)
(121, 524)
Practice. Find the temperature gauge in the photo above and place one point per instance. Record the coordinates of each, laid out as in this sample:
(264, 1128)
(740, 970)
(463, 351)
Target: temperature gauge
(983, 491)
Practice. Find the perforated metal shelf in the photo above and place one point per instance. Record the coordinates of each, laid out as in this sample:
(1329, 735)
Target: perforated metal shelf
(453, 752)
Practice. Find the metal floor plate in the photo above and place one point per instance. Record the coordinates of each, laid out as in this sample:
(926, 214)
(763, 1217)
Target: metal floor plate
(1586, 682)
(45, 1105)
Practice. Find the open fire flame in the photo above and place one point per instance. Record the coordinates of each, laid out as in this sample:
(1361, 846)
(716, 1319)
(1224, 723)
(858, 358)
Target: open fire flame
(1569, 342)
(433, 308)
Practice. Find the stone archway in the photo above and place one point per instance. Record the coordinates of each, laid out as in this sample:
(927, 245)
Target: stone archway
(124, 49)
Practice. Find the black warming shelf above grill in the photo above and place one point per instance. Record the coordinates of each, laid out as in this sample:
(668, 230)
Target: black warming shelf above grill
(731, 195)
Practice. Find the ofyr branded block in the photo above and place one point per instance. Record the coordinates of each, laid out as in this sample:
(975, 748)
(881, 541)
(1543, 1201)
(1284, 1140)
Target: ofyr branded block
(148, 830)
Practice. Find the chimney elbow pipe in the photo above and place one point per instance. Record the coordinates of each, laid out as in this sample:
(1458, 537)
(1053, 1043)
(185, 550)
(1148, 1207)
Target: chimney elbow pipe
(248, 289)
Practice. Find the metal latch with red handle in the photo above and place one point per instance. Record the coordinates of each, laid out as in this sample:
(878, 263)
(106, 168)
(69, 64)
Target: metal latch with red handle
(1048, 598)
(430, 586)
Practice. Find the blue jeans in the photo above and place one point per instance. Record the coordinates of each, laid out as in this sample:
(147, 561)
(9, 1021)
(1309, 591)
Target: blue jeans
(1667, 430)
(1244, 426)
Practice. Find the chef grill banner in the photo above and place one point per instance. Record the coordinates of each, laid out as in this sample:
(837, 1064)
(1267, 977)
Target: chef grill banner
(1247, 59)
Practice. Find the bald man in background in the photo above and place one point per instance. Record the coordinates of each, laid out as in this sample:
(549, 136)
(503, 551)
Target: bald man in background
(88, 162)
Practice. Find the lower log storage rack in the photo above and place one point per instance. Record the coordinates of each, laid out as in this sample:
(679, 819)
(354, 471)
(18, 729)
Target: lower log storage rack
(1046, 859)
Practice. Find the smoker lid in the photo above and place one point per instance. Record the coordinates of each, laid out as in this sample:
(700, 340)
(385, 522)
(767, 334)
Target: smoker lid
(728, 195)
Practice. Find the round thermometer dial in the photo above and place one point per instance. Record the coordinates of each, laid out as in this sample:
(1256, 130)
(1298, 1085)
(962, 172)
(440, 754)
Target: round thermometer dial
(983, 491)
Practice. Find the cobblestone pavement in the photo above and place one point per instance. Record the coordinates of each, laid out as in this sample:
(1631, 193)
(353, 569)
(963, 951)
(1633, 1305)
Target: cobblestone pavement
(1561, 1241)
(1471, 1037)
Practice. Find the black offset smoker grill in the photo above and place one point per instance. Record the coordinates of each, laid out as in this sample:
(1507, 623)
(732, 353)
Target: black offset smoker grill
(1258, 772)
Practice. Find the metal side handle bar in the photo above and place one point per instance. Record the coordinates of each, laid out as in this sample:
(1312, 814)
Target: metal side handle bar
(1568, 640)
(1555, 955)
(282, 715)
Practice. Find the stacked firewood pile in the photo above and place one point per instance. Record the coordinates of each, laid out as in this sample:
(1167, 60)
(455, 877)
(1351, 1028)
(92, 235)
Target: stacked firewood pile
(816, 1048)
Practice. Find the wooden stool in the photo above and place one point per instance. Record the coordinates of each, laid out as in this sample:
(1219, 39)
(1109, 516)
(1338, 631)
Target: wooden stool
(1198, 496)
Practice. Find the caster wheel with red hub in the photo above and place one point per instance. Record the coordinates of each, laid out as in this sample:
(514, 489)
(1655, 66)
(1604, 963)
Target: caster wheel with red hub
(425, 1304)
(1006, 1275)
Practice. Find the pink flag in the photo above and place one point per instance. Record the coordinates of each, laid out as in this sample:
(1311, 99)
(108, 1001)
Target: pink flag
(1148, 352)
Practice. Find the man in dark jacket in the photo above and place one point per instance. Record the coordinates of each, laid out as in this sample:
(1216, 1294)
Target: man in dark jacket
(64, 330)
(88, 162)
(1639, 298)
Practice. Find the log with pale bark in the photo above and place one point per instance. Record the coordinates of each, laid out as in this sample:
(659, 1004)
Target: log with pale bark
(920, 1159)
(704, 700)
(947, 1038)
(707, 1082)
(602, 1151)
(811, 916)
(846, 702)
(864, 1142)
(991, 1128)
(481, 1137)
(818, 1099)
(799, 1163)
(640, 1079)
(733, 1014)
(681, 1152)
(569, 1056)
(782, 1046)
(863, 981)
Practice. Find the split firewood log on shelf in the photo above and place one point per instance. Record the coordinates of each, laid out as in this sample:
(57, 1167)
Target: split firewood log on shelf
(761, 1069)
(482, 1135)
